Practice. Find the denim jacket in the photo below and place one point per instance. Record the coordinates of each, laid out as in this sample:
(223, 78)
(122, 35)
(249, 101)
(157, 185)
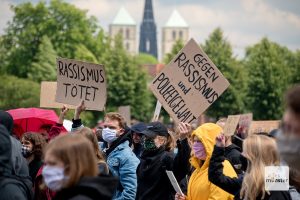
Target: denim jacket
(122, 162)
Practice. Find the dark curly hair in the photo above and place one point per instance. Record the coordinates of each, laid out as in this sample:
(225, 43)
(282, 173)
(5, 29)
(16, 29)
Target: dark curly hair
(38, 141)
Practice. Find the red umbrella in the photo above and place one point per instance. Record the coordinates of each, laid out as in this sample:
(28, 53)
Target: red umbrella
(31, 119)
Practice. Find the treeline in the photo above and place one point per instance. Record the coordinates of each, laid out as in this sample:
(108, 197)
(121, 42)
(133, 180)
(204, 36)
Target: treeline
(38, 33)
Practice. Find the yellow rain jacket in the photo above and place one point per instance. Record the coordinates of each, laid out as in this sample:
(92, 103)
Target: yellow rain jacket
(200, 188)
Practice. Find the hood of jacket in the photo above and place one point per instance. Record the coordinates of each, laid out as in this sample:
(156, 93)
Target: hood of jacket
(199, 186)
(5, 152)
(207, 134)
(100, 187)
(6, 120)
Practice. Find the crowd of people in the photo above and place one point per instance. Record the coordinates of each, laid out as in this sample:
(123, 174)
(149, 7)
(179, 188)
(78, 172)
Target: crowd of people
(126, 163)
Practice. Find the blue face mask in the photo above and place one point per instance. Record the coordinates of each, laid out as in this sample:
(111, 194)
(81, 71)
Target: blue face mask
(109, 135)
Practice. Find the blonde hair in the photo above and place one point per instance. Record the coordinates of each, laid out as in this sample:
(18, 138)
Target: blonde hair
(168, 142)
(77, 155)
(118, 117)
(88, 133)
(260, 151)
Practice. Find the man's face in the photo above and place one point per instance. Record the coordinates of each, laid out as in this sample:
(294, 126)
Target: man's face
(291, 123)
(136, 137)
(113, 125)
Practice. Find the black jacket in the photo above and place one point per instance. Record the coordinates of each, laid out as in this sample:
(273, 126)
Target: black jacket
(234, 185)
(153, 182)
(34, 167)
(89, 188)
(11, 185)
(232, 154)
(19, 163)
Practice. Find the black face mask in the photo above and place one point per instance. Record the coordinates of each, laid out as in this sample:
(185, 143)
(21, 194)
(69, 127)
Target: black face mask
(149, 144)
(244, 162)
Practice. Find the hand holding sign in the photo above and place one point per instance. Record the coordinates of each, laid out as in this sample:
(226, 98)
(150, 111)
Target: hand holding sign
(184, 129)
(180, 197)
(62, 114)
(79, 109)
(220, 140)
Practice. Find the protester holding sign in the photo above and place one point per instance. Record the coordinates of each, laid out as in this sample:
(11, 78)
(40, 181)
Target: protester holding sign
(158, 156)
(199, 187)
(258, 151)
(121, 160)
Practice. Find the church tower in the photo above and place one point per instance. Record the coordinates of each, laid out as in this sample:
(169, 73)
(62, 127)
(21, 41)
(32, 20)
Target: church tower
(125, 25)
(175, 29)
(148, 41)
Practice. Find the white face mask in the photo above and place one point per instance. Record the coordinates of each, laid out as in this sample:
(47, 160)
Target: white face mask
(109, 135)
(53, 177)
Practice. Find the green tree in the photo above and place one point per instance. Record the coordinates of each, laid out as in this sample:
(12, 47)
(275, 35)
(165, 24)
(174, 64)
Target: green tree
(175, 49)
(295, 67)
(143, 58)
(18, 93)
(127, 83)
(64, 24)
(44, 66)
(269, 76)
(84, 54)
(232, 100)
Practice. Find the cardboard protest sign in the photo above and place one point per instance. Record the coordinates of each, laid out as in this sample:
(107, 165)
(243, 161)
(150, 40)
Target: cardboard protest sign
(263, 126)
(77, 80)
(244, 125)
(157, 111)
(47, 96)
(189, 84)
(125, 112)
(231, 124)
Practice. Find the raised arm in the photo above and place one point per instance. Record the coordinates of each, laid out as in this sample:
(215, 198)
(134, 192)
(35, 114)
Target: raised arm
(181, 164)
(215, 170)
(77, 124)
(57, 128)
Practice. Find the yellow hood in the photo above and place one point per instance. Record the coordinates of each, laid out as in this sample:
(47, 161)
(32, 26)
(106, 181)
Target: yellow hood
(200, 188)
(207, 134)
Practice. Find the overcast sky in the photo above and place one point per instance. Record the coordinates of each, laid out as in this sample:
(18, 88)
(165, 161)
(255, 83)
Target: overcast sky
(244, 22)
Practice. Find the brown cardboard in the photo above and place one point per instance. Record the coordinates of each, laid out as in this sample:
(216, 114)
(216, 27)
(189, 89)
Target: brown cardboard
(47, 96)
(125, 112)
(244, 124)
(231, 124)
(186, 89)
(263, 126)
(77, 80)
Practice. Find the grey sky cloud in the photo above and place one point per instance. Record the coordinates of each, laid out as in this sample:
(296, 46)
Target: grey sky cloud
(244, 22)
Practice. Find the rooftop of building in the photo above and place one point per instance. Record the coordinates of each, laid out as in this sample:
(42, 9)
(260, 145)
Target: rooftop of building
(123, 18)
(176, 20)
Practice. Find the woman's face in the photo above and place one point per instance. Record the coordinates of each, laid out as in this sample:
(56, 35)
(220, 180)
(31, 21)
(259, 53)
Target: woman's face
(51, 160)
(27, 143)
(199, 148)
